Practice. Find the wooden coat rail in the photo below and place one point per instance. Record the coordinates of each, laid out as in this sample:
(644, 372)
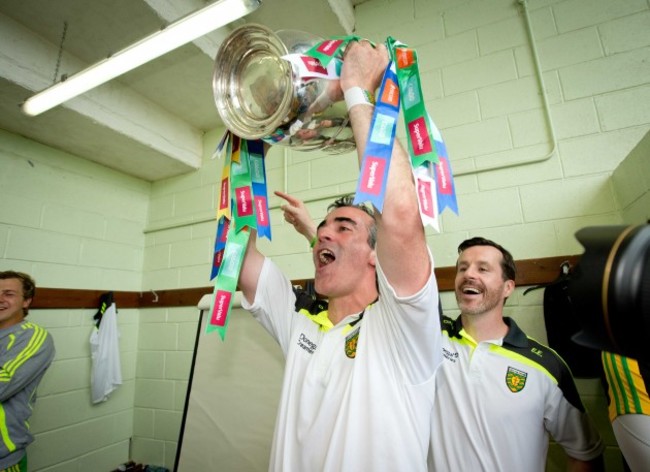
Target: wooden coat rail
(529, 272)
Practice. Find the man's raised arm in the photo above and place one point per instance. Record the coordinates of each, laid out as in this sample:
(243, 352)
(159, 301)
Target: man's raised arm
(250, 269)
(401, 244)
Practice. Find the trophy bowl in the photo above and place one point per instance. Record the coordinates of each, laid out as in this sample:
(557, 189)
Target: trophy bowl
(261, 95)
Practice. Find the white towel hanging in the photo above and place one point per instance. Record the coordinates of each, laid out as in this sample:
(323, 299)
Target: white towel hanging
(106, 373)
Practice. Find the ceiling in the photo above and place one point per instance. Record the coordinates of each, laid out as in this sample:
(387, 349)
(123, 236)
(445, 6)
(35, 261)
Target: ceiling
(148, 122)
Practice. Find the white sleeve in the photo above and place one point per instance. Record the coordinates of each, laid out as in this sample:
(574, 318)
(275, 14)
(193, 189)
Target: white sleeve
(274, 303)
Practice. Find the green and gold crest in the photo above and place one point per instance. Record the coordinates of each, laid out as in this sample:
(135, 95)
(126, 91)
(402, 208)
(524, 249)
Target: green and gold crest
(351, 344)
(515, 379)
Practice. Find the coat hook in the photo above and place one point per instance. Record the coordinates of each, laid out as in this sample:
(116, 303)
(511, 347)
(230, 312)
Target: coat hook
(565, 267)
(155, 296)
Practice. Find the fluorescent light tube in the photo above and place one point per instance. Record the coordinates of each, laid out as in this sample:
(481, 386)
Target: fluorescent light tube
(181, 32)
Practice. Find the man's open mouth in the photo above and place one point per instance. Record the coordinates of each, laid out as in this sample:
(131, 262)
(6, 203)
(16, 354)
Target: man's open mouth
(325, 256)
(469, 290)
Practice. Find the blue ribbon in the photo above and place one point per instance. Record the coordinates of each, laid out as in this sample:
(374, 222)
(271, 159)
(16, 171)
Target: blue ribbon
(260, 195)
(219, 245)
(371, 186)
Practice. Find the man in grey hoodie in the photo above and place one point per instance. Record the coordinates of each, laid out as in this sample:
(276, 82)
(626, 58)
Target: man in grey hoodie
(26, 351)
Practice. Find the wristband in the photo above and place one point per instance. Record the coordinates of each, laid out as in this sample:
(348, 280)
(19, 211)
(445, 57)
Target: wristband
(312, 242)
(358, 96)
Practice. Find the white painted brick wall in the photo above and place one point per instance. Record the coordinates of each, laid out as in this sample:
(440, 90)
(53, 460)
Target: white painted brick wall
(599, 153)
(64, 218)
(575, 14)
(623, 34)
(448, 51)
(570, 48)
(619, 109)
(631, 182)
(165, 343)
(609, 74)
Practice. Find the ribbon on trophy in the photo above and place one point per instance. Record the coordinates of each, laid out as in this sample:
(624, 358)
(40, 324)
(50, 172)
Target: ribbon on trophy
(219, 245)
(242, 190)
(371, 186)
(331, 48)
(309, 67)
(416, 120)
(444, 178)
(223, 206)
(435, 183)
(258, 180)
(247, 209)
(226, 281)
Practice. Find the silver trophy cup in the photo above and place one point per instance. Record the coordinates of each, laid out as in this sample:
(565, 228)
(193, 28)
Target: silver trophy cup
(260, 95)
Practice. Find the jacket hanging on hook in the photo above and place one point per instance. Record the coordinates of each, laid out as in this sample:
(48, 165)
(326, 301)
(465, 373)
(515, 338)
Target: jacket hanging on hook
(106, 374)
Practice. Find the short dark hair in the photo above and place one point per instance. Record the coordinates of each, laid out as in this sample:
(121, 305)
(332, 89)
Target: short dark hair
(508, 266)
(348, 201)
(29, 286)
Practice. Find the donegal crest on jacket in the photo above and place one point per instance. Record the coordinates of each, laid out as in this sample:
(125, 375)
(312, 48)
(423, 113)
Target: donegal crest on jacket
(515, 379)
(351, 344)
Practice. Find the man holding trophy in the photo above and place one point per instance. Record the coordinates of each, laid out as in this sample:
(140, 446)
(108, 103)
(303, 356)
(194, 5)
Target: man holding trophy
(358, 383)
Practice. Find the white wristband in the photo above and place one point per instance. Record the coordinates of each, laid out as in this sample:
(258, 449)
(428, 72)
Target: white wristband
(358, 96)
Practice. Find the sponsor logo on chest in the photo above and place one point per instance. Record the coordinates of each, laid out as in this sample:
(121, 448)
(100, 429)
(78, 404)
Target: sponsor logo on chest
(307, 344)
(450, 355)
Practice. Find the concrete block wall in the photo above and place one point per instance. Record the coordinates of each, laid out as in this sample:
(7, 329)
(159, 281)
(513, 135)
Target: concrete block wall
(67, 221)
(73, 224)
(165, 349)
(631, 181)
(534, 128)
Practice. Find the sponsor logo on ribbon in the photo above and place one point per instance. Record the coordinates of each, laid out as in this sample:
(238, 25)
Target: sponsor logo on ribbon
(329, 47)
(260, 204)
(405, 57)
(390, 94)
(313, 65)
(419, 136)
(218, 259)
(412, 95)
(224, 233)
(382, 130)
(372, 175)
(220, 309)
(257, 170)
(244, 198)
(444, 177)
(426, 198)
(224, 202)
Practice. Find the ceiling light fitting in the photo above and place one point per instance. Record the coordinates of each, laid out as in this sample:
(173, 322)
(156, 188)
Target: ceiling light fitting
(181, 32)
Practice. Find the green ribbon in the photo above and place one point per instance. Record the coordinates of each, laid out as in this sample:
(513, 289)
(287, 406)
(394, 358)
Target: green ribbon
(327, 50)
(226, 283)
(242, 190)
(419, 135)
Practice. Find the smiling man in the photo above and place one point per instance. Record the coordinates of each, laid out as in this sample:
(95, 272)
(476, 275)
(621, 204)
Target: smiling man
(500, 394)
(26, 351)
(358, 382)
